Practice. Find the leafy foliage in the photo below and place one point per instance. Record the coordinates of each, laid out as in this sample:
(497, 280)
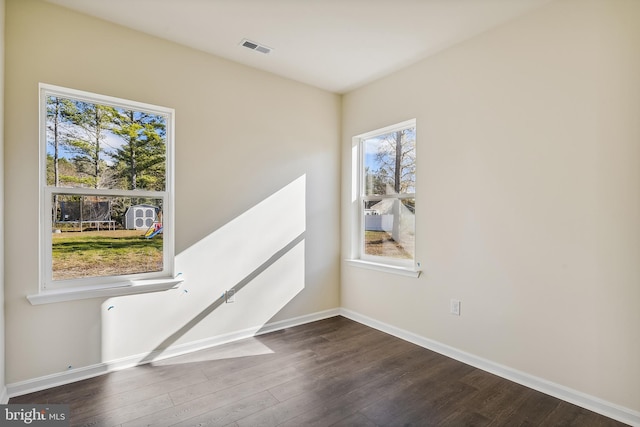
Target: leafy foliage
(86, 137)
(101, 146)
(141, 159)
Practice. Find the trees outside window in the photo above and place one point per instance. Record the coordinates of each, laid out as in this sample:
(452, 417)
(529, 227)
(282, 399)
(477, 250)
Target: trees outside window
(387, 206)
(101, 158)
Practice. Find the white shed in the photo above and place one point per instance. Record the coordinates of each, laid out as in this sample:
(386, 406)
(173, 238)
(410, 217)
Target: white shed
(140, 217)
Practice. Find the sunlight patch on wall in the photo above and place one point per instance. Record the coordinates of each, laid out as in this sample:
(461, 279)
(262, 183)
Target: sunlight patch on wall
(260, 255)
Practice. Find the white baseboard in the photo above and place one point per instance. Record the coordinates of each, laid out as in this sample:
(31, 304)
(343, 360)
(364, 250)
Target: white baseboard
(296, 321)
(575, 397)
(77, 374)
(4, 396)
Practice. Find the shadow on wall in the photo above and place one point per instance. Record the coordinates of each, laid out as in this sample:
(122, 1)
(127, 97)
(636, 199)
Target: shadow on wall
(260, 255)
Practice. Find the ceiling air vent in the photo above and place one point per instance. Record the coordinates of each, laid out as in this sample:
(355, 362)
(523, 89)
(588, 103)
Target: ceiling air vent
(255, 46)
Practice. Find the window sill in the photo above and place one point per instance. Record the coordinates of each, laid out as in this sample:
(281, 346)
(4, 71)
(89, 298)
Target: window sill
(387, 268)
(114, 290)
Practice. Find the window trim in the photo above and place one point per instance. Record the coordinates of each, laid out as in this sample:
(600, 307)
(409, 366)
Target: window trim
(358, 256)
(385, 268)
(72, 289)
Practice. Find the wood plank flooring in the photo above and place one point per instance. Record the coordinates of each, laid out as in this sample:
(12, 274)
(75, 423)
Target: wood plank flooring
(334, 372)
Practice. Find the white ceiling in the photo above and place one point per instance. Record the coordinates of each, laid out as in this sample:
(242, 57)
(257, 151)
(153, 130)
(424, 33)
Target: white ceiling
(337, 45)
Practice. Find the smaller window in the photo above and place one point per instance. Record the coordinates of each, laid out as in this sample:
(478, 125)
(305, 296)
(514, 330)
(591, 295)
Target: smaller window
(387, 200)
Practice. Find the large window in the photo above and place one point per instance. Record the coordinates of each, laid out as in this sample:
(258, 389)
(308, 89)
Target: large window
(386, 202)
(106, 190)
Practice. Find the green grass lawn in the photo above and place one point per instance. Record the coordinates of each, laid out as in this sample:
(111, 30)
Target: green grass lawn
(104, 253)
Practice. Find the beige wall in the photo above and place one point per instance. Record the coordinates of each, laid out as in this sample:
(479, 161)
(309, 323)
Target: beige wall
(254, 152)
(528, 197)
(2, 356)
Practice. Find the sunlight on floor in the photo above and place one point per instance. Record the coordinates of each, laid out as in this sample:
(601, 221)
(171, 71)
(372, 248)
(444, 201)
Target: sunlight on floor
(249, 347)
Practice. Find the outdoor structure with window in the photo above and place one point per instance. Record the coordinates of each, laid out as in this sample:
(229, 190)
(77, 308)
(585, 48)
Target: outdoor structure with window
(100, 156)
(385, 178)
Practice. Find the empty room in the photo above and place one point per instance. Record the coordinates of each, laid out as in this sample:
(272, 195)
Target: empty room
(319, 212)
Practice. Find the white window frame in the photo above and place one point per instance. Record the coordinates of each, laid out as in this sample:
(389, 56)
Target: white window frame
(50, 290)
(358, 256)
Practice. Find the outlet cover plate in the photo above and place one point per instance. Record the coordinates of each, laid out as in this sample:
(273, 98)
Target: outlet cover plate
(455, 307)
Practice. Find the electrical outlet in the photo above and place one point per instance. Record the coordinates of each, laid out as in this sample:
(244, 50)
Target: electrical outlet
(230, 296)
(455, 307)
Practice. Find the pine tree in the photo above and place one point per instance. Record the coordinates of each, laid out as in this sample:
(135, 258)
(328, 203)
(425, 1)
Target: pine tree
(141, 159)
(91, 122)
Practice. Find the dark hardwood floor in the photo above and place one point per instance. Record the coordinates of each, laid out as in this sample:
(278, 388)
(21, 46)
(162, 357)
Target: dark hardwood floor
(334, 372)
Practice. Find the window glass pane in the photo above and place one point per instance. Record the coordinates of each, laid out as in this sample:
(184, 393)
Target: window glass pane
(101, 146)
(390, 163)
(98, 236)
(389, 227)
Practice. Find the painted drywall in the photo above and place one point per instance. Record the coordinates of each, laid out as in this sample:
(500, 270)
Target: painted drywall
(3, 396)
(257, 192)
(528, 197)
